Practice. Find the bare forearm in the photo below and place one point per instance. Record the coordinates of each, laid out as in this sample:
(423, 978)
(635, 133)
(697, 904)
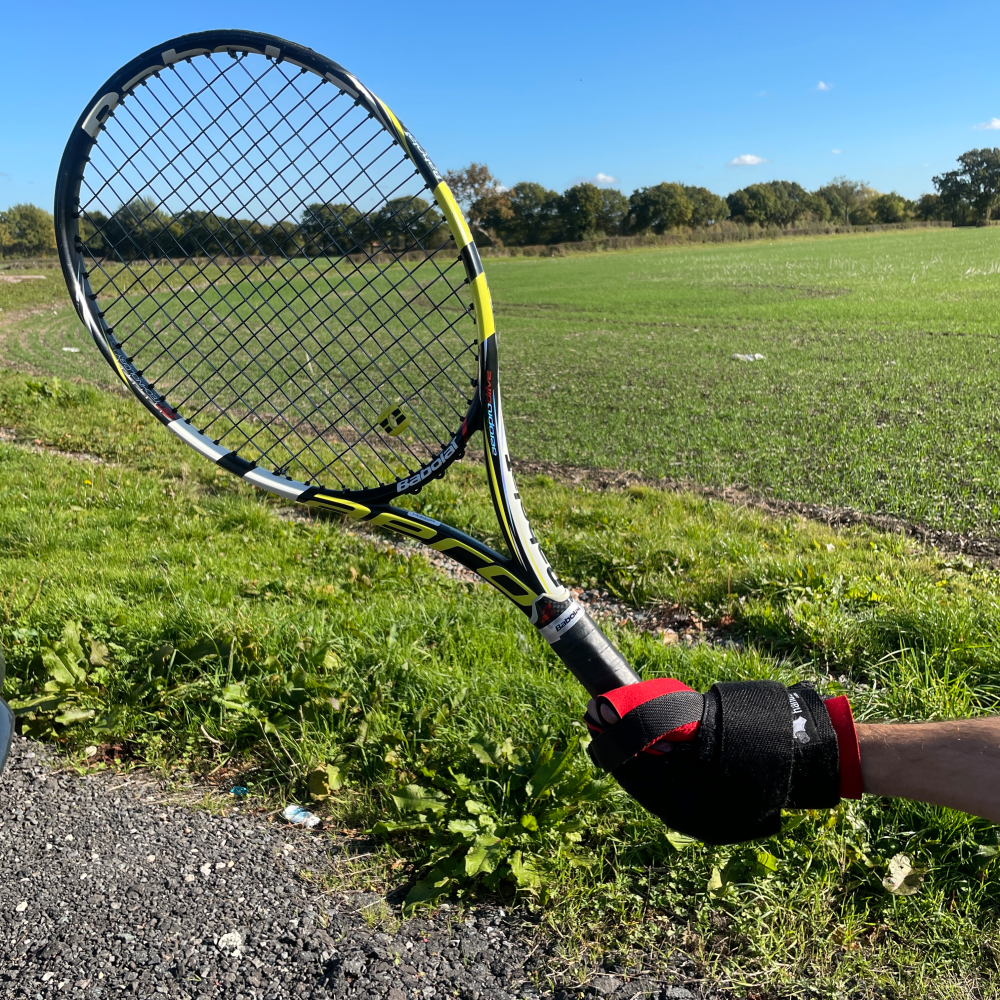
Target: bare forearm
(955, 764)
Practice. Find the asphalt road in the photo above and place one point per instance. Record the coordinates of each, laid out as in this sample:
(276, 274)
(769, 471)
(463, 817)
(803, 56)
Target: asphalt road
(106, 889)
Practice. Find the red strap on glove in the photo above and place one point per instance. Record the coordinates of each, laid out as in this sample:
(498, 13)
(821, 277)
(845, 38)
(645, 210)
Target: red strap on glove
(852, 784)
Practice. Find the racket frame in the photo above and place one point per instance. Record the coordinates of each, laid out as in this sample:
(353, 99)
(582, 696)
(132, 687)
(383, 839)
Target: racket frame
(525, 578)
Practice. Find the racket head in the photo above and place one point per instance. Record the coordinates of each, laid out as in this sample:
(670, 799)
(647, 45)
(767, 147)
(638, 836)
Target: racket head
(269, 260)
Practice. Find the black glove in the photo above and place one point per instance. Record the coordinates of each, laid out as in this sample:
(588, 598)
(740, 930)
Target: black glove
(720, 767)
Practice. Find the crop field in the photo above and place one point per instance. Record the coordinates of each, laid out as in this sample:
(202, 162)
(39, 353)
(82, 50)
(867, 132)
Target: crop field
(166, 614)
(878, 389)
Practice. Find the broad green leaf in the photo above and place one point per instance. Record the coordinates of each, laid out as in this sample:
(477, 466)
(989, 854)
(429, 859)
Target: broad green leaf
(767, 861)
(391, 826)
(679, 841)
(715, 884)
(523, 872)
(72, 715)
(529, 822)
(480, 753)
(466, 826)
(44, 702)
(417, 799)
(62, 668)
(70, 641)
(428, 890)
(324, 780)
(234, 698)
(476, 808)
(483, 857)
(99, 653)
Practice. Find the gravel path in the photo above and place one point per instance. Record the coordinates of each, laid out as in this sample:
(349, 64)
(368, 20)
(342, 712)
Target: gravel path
(108, 890)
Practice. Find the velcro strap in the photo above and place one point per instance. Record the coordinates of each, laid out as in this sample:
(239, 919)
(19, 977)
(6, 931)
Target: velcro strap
(623, 699)
(755, 749)
(674, 716)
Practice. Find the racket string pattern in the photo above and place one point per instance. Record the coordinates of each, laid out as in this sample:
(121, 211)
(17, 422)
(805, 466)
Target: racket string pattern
(273, 265)
(254, 259)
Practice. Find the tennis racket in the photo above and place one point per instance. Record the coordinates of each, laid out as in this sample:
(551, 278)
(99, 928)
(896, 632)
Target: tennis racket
(269, 260)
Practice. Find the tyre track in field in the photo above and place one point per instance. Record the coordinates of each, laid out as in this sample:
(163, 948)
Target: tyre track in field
(673, 622)
(984, 548)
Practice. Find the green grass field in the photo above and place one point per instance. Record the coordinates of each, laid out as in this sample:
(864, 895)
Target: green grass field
(878, 389)
(153, 604)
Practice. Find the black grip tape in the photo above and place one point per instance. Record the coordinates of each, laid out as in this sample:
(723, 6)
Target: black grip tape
(592, 659)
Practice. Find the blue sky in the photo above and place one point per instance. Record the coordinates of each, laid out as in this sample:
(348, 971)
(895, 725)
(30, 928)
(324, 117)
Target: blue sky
(561, 92)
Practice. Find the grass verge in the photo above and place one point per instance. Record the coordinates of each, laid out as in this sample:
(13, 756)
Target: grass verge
(150, 604)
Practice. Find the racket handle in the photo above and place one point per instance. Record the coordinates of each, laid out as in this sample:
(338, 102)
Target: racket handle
(592, 659)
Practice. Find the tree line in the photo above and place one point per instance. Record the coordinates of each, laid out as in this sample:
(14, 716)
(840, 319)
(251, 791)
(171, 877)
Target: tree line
(524, 215)
(528, 213)
(140, 229)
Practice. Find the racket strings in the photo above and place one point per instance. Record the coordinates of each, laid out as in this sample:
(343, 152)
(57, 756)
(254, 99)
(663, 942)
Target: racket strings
(266, 254)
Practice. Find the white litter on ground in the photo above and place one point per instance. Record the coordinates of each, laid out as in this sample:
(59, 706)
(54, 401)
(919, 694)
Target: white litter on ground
(748, 357)
(72, 350)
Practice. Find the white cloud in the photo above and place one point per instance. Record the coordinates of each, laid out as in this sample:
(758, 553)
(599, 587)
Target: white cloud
(838, 151)
(747, 160)
(824, 86)
(605, 178)
(993, 123)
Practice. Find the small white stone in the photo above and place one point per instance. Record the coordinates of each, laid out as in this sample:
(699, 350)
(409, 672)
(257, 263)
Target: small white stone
(231, 941)
(21, 907)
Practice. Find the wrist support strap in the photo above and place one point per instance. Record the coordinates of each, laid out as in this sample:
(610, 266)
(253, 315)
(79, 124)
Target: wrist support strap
(722, 766)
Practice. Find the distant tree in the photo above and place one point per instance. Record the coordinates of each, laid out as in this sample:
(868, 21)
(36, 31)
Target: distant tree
(408, 223)
(848, 201)
(26, 231)
(471, 183)
(481, 195)
(657, 209)
(975, 185)
(333, 230)
(526, 215)
(928, 207)
(580, 208)
(889, 207)
(613, 216)
(141, 229)
(755, 203)
(707, 208)
(91, 224)
(777, 203)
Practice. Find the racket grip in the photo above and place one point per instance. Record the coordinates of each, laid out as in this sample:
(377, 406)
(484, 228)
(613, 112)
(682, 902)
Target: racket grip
(591, 657)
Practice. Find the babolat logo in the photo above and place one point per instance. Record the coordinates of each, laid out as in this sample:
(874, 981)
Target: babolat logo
(428, 470)
(142, 386)
(557, 628)
(490, 420)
